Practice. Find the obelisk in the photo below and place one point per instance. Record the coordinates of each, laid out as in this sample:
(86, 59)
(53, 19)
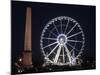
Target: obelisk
(27, 53)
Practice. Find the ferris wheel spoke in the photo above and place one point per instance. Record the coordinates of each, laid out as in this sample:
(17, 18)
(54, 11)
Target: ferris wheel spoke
(74, 41)
(61, 26)
(57, 55)
(71, 29)
(53, 33)
(74, 34)
(68, 53)
(56, 28)
(66, 26)
(52, 50)
(50, 45)
(71, 51)
(49, 38)
(72, 46)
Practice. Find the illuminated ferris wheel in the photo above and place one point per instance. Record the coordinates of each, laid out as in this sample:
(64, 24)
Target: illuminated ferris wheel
(62, 41)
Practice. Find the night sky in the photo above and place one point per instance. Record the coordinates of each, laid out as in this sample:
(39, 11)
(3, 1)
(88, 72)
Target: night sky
(41, 14)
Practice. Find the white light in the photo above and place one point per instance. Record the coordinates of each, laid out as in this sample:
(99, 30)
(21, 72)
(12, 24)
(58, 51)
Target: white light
(20, 59)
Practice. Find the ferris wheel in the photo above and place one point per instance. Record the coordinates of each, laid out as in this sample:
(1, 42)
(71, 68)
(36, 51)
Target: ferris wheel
(62, 41)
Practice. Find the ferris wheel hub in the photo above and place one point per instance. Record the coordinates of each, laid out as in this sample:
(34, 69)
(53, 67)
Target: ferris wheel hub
(62, 39)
